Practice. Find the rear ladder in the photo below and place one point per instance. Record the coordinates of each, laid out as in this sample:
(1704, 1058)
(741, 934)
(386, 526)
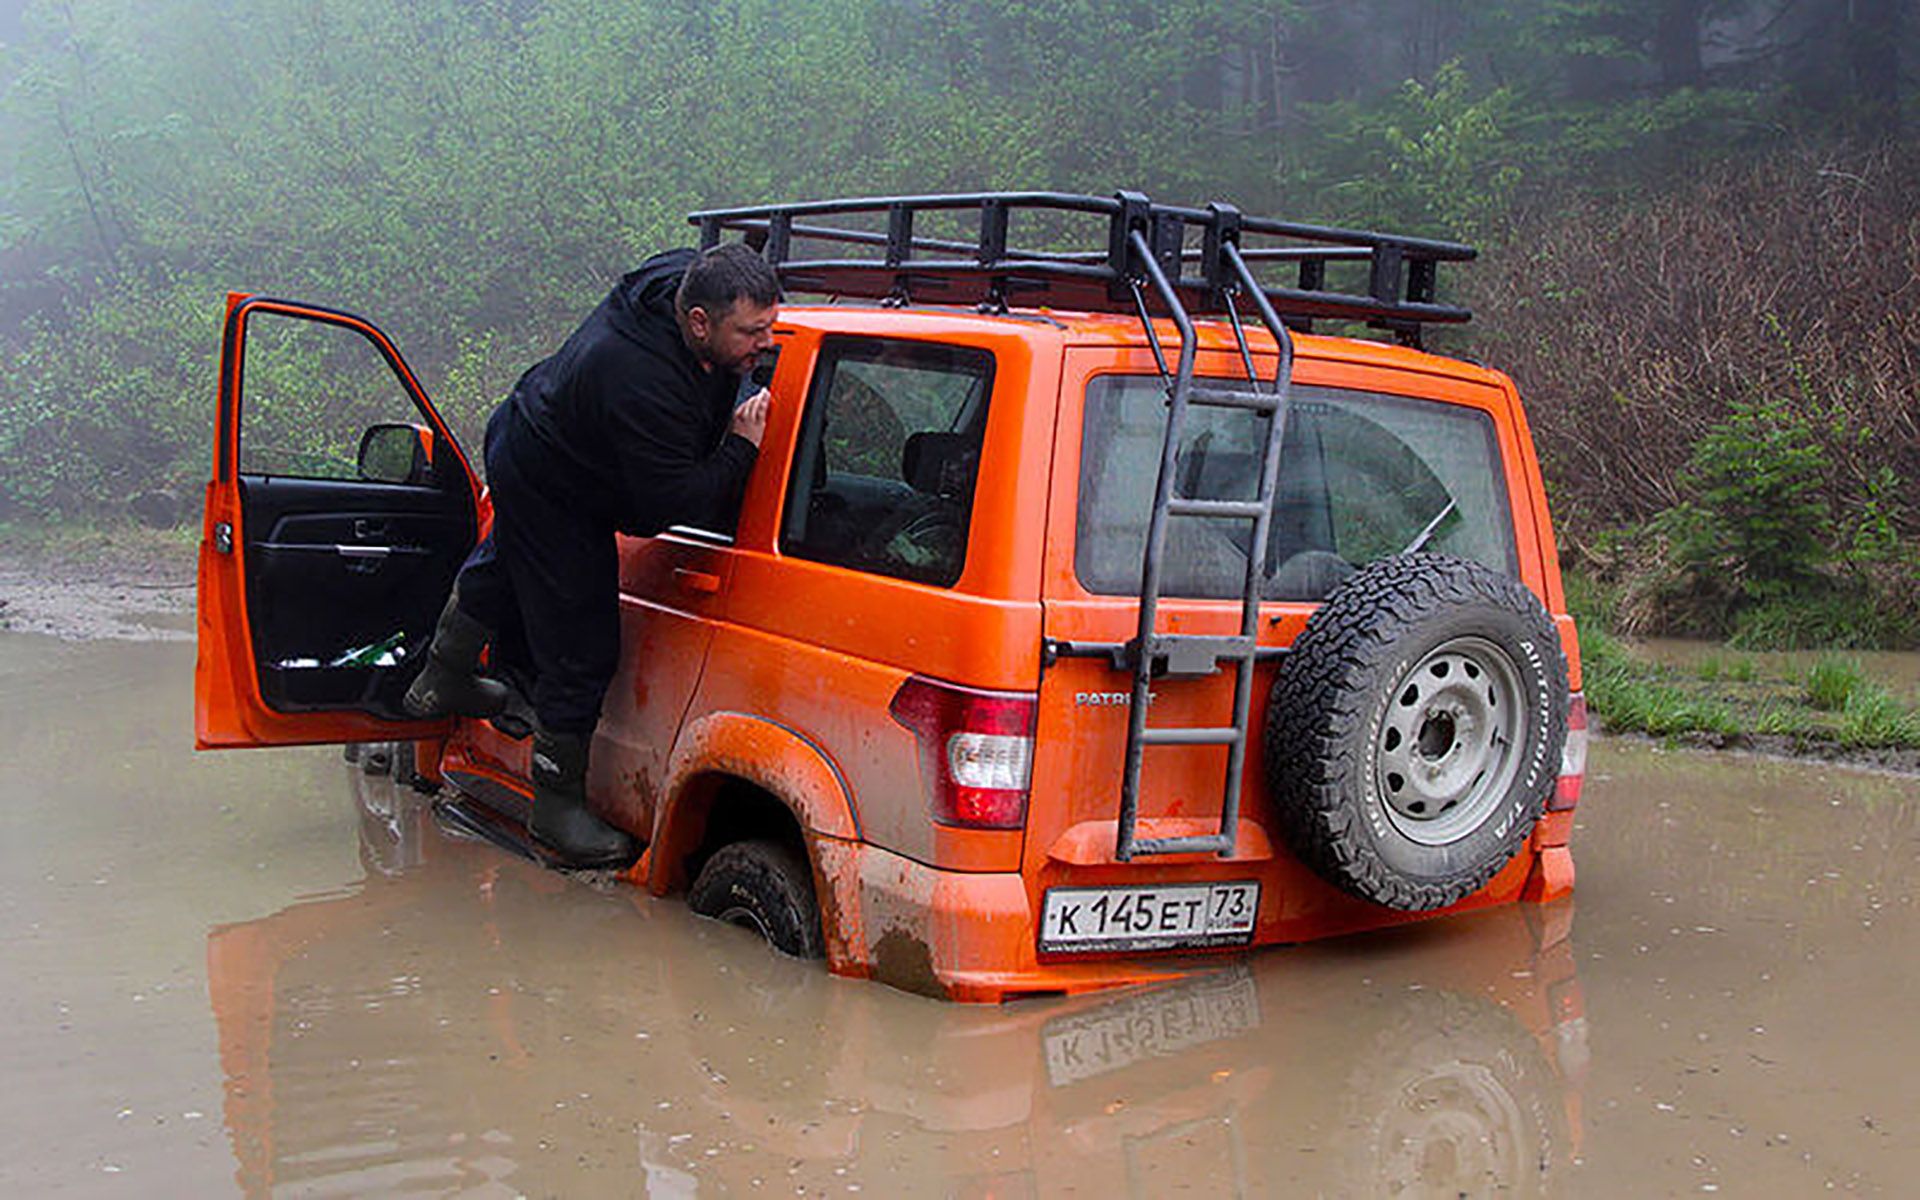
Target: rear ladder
(1151, 247)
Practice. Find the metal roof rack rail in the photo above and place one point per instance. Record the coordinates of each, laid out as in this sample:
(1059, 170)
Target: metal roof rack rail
(989, 271)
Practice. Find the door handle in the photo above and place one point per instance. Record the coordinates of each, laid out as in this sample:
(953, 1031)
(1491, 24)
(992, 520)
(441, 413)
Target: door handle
(364, 560)
(696, 581)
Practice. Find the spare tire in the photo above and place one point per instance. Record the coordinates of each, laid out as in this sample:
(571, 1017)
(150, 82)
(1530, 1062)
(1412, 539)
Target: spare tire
(1414, 732)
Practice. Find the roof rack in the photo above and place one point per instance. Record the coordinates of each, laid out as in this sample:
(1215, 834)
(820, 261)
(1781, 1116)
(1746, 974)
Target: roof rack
(1400, 286)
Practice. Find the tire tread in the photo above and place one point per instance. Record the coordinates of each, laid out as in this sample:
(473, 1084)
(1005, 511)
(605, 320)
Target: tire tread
(1322, 699)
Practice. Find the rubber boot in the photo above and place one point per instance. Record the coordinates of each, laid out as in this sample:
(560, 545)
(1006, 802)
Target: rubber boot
(451, 684)
(562, 822)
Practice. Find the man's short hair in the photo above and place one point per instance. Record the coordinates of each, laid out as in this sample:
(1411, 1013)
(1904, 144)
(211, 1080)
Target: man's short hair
(723, 274)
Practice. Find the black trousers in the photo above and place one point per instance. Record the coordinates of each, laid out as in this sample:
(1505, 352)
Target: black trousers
(546, 580)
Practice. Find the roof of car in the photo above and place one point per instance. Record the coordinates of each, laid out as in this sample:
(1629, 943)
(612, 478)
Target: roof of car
(1116, 330)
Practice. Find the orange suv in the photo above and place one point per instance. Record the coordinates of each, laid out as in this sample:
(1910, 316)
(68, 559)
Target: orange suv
(1038, 540)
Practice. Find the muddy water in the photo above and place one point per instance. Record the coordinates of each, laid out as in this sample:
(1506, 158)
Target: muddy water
(267, 972)
(1896, 670)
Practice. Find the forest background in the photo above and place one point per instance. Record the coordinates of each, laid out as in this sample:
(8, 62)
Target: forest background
(1699, 220)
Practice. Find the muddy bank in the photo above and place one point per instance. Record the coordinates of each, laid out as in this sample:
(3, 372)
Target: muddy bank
(1896, 671)
(84, 610)
(1893, 760)
(118, 584)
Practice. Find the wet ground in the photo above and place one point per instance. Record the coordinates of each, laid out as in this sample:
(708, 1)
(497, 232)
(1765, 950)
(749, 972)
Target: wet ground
(1896, 670)
(81, 583)
(269, 972)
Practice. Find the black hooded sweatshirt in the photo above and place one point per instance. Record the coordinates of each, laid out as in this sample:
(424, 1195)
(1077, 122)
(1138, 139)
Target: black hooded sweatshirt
(624, 422)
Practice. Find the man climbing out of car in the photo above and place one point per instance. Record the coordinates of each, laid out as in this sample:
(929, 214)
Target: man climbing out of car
(629, 427)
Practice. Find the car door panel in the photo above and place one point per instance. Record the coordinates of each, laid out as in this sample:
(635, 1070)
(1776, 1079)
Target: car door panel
(337, 570)
(318, 595)
(672, 596)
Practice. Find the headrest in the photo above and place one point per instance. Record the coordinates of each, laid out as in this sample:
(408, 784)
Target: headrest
(926, 461)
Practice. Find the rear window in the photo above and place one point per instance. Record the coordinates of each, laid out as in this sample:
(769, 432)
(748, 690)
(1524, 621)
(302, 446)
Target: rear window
(1362, 476)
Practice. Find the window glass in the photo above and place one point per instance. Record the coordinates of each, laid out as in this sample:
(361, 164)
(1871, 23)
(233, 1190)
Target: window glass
(1362, 476)
(309, 390)
(889, 449)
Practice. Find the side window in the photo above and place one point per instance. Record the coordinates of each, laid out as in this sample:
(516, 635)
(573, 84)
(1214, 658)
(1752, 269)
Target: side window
(889, 450)
(309, 391)
(1362, 476)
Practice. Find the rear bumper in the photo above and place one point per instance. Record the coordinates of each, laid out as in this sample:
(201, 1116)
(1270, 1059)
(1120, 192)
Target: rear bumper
(973, 936)
(957, 935)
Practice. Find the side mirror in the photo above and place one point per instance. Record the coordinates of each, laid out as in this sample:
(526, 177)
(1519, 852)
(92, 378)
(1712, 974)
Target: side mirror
(395, 453)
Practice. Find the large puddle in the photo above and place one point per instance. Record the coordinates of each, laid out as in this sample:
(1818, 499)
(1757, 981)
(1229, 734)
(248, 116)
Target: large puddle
(267, 972)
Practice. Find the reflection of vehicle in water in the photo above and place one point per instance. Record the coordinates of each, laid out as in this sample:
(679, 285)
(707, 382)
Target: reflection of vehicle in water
(455, 1019)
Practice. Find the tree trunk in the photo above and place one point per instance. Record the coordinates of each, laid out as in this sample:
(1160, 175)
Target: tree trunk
(1676, 44)
(1873, 60)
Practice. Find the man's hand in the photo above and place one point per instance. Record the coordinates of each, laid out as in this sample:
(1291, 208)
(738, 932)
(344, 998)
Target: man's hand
(750, 419)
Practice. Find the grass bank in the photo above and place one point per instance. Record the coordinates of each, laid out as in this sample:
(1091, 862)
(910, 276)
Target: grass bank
(1829, 709)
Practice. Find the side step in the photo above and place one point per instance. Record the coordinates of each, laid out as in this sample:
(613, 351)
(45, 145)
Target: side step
(488, 808)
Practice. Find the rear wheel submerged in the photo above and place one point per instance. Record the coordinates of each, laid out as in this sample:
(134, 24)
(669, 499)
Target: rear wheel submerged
(1415, 729)
(764, 886)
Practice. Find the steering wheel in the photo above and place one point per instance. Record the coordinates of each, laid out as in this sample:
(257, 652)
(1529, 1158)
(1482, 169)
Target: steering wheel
(926, 536)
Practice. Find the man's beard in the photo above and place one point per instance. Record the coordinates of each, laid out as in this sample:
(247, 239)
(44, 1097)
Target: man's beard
(709, 358)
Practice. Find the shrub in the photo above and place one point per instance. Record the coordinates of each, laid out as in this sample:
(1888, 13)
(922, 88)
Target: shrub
(1759, 513)
(91, 416)
(1721, 380)
(1637, 325)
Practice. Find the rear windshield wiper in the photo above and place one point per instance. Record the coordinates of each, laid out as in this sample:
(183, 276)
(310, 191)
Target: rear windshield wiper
(1426, 535)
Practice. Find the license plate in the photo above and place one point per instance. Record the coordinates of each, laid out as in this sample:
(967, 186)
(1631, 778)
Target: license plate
(1149, 918)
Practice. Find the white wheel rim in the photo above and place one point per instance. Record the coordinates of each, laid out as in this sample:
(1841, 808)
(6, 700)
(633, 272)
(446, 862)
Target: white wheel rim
(1450, 741)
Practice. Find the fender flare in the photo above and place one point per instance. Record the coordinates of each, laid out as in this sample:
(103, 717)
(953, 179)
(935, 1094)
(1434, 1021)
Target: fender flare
(774, 757)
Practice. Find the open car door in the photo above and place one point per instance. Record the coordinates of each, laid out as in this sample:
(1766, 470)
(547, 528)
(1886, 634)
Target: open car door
(339, 511)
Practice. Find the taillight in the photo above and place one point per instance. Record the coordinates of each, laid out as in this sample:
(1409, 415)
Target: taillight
(976, 751)
(1573, 757)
